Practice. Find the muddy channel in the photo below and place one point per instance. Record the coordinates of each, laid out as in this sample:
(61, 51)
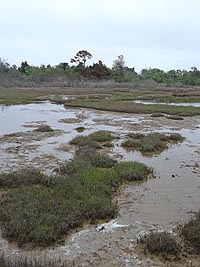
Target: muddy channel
(171, 197)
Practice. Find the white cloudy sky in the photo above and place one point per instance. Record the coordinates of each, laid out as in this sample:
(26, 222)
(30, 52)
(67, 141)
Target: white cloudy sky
(149, 33)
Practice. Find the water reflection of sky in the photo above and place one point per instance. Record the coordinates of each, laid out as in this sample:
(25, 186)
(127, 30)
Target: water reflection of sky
(167, 199)
(146, 102)
(14, 118)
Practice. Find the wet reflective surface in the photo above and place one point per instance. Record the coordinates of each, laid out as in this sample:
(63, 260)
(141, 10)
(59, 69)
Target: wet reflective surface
(159, 203)
(146, 102)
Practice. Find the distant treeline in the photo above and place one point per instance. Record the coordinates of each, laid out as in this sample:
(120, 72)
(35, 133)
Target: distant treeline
(77, 73)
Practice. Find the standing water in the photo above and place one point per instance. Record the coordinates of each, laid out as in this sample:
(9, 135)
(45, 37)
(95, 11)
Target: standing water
(159, 203)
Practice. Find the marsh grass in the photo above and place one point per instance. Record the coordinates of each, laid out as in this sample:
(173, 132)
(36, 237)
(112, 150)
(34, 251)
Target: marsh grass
(25, 177)
(101, 136)
(129, 107)
(95, 140)
(86, 157)
(25, 262)
(132, 171)
(191, 232)
(96, 159)
(41, 215)
(42, 210)
(44, 128)
(81, 141)
(151, 143)
(161, 243)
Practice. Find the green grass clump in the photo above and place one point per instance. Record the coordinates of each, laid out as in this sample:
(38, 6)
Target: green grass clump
(101, 136)
(151, 143)
(96, 159)
(161, 243)
(132, 171)
(44, 128)
(148, 144)
(41, 210)
(93, 140)
(42, 215)
(71, 167)
(86, 157)
(191, 232)
(24, 177)
(136, 135)
(81, 141)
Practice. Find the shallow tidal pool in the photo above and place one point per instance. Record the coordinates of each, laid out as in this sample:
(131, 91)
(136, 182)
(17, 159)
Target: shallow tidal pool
(172, 196)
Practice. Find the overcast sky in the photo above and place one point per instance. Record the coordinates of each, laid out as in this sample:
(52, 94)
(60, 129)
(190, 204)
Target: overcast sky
(149, 33)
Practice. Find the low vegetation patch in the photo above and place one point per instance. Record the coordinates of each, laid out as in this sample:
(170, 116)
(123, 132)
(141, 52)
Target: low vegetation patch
(42, 215)
(101, 136)
(44, 128)
(41, 210)
(185, 245)
(95, 140)
(81, 141)
(80, 129)
(132, 171)
(161, 244)
(191, 232)
(124, 106)
(24, 263)
(86, 157)
(89, 154)
(25, 177)
(151, 143)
